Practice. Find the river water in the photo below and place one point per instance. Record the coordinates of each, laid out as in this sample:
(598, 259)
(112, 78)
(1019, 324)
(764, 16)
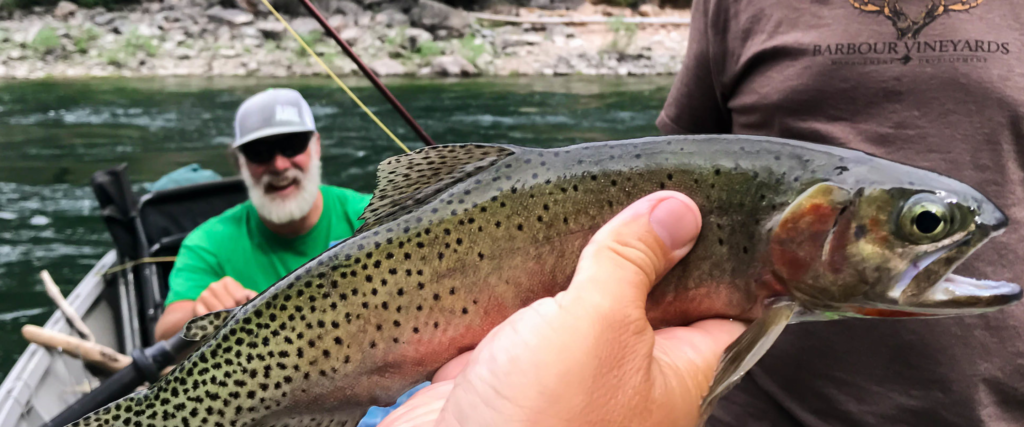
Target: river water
(55, 134)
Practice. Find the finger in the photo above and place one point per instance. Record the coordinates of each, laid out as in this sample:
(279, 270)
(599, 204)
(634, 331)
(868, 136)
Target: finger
(422, 409)
(238, 292)
(220, 292)
(200, 308)
(628, 255)
(686, 358)
(453, 368)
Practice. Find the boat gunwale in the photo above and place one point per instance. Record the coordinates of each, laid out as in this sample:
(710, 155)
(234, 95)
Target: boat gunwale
(20, 384)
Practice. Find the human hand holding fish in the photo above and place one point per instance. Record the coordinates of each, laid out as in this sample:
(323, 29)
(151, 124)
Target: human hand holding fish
(589, 356)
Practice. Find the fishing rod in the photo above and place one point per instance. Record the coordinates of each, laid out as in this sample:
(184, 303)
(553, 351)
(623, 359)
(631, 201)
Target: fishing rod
(367, 72)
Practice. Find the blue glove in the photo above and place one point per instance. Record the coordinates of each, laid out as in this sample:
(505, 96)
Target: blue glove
(376, 414)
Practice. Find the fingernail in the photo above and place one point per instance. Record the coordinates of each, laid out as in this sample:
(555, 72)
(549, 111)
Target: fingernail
(676, 222)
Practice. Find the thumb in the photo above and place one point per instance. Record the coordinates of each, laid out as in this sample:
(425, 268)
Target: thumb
(630, 253)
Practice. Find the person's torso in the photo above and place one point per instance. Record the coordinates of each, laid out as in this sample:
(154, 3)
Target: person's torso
(258, 258)
(941, 90)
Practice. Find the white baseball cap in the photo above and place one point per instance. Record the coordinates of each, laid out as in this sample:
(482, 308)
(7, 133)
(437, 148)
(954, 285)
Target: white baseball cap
(272, 112)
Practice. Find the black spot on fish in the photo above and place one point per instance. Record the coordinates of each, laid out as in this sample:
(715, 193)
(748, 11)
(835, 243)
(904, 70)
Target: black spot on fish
(465, 310)
(519, 227)
(860, 231)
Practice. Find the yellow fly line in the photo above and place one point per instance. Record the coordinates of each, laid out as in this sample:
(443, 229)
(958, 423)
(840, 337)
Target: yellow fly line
(333, 76)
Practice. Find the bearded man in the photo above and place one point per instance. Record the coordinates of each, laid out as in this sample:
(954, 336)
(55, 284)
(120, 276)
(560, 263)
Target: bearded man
(289, 218)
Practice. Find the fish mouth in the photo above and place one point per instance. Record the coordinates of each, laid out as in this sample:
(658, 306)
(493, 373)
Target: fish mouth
(928, 287)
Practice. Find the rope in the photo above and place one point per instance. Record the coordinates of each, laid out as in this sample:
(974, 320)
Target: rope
(331, 73)
(145, 260)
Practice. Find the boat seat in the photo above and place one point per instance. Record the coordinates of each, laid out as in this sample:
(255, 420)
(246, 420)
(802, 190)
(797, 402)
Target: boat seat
(154, 225)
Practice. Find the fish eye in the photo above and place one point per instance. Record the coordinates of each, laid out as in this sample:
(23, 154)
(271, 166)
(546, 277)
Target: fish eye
(925, 218)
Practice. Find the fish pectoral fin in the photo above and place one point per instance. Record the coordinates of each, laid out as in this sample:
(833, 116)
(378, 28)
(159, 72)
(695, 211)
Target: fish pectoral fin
(743, 353)
(203, 326)
(407, 181)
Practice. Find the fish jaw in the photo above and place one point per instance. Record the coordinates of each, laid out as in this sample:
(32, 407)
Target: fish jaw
(928, 288)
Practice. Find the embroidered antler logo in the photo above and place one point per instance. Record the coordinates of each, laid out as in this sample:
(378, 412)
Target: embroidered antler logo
(907, 26)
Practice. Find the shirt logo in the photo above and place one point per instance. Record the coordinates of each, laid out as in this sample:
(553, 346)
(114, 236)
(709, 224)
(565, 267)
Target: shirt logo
(906, 25)
(909, 47)
(286, 113)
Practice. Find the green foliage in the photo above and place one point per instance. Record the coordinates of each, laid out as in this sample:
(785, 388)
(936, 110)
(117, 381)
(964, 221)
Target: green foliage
(131, 45)
(470, 49)
(396, 39)
(84, 37)
(310, 39)
(429, 49)
(623, 34)
(135, 42)
(46, 40)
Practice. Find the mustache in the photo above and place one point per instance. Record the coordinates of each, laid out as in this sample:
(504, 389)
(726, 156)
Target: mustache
(282, 178)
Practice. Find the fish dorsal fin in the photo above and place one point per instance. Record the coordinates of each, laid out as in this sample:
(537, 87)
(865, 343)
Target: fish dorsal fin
(405, 182)
(203, 326)
(743, 353)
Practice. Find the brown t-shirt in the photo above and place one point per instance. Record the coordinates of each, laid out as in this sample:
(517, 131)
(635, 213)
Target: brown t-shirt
(945, 93)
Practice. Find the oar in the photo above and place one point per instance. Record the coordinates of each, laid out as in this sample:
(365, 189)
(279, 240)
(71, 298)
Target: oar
(97, 354)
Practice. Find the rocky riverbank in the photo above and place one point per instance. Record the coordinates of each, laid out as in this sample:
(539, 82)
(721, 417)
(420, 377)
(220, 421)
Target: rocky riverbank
(417, 37)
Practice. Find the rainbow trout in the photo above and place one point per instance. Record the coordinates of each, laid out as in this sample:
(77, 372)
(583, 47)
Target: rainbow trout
(459, 237)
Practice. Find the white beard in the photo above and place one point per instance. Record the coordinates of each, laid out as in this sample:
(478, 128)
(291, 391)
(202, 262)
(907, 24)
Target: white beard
(282, 210)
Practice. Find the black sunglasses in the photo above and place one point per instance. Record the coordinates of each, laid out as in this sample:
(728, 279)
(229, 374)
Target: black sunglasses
(264, 150)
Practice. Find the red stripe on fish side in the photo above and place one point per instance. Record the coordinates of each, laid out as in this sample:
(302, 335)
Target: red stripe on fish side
(799, 239)
(884, 312)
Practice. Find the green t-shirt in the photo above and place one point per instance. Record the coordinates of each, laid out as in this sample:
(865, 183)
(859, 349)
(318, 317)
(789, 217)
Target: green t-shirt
(237, 244)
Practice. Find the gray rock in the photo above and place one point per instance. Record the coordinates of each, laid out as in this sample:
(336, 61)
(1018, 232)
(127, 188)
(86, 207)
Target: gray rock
(64, 9)
(147, 30)
(15, 54)
(104, 19)
(228, 53)
(123, 27)
(350, 35)
(452, 65)
(416, 36)
(435, 16)
(391, 18)
(340, 22)
(387, 67)
(347, 8)
(168, 20)
(250, 32)
(560, 30)
(270, 29)
(305, 25)
(184, 53)
(230, 16)
(556, 4)
(512, 40)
